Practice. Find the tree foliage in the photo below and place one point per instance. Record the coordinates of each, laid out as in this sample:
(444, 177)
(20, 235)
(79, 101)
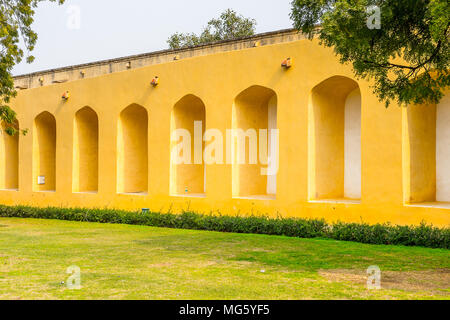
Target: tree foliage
(16, 18)
(407, 57)
(229, 25)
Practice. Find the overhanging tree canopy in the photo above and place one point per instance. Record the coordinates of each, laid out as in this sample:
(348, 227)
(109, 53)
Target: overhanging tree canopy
(16, 18)
(407, 56)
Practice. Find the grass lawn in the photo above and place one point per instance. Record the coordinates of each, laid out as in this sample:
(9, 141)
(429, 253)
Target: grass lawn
(137, 262)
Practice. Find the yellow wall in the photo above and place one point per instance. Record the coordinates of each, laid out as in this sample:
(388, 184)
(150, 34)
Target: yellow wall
(141, 163)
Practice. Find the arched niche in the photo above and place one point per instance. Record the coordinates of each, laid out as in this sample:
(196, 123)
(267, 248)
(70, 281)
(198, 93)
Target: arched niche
(335, 140)
(9, 158)
(254, 122)
(427, 152)
(188, 123)
(132, 150)
(44, 152)
(85, 151)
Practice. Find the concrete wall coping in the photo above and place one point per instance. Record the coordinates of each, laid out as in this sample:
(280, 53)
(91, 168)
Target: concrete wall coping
(98, 68)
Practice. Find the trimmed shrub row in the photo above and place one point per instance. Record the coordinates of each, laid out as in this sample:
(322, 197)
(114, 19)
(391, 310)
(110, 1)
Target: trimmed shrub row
(423, 235)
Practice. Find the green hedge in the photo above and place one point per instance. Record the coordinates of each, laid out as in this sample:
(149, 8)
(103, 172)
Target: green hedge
(423, 235)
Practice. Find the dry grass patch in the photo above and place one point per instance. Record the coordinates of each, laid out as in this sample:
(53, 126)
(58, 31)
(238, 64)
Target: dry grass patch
(434, 281)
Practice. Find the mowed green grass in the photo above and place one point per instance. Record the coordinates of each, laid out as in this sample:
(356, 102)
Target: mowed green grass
(138, 262)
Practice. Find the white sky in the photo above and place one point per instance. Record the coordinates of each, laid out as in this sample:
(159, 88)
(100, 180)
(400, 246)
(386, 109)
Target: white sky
(116, 28)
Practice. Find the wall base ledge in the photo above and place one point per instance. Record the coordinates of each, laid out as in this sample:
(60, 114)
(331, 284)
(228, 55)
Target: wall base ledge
(133, 193)
(437, 205)
(336, 201)
(257, 197)
(192, 195)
